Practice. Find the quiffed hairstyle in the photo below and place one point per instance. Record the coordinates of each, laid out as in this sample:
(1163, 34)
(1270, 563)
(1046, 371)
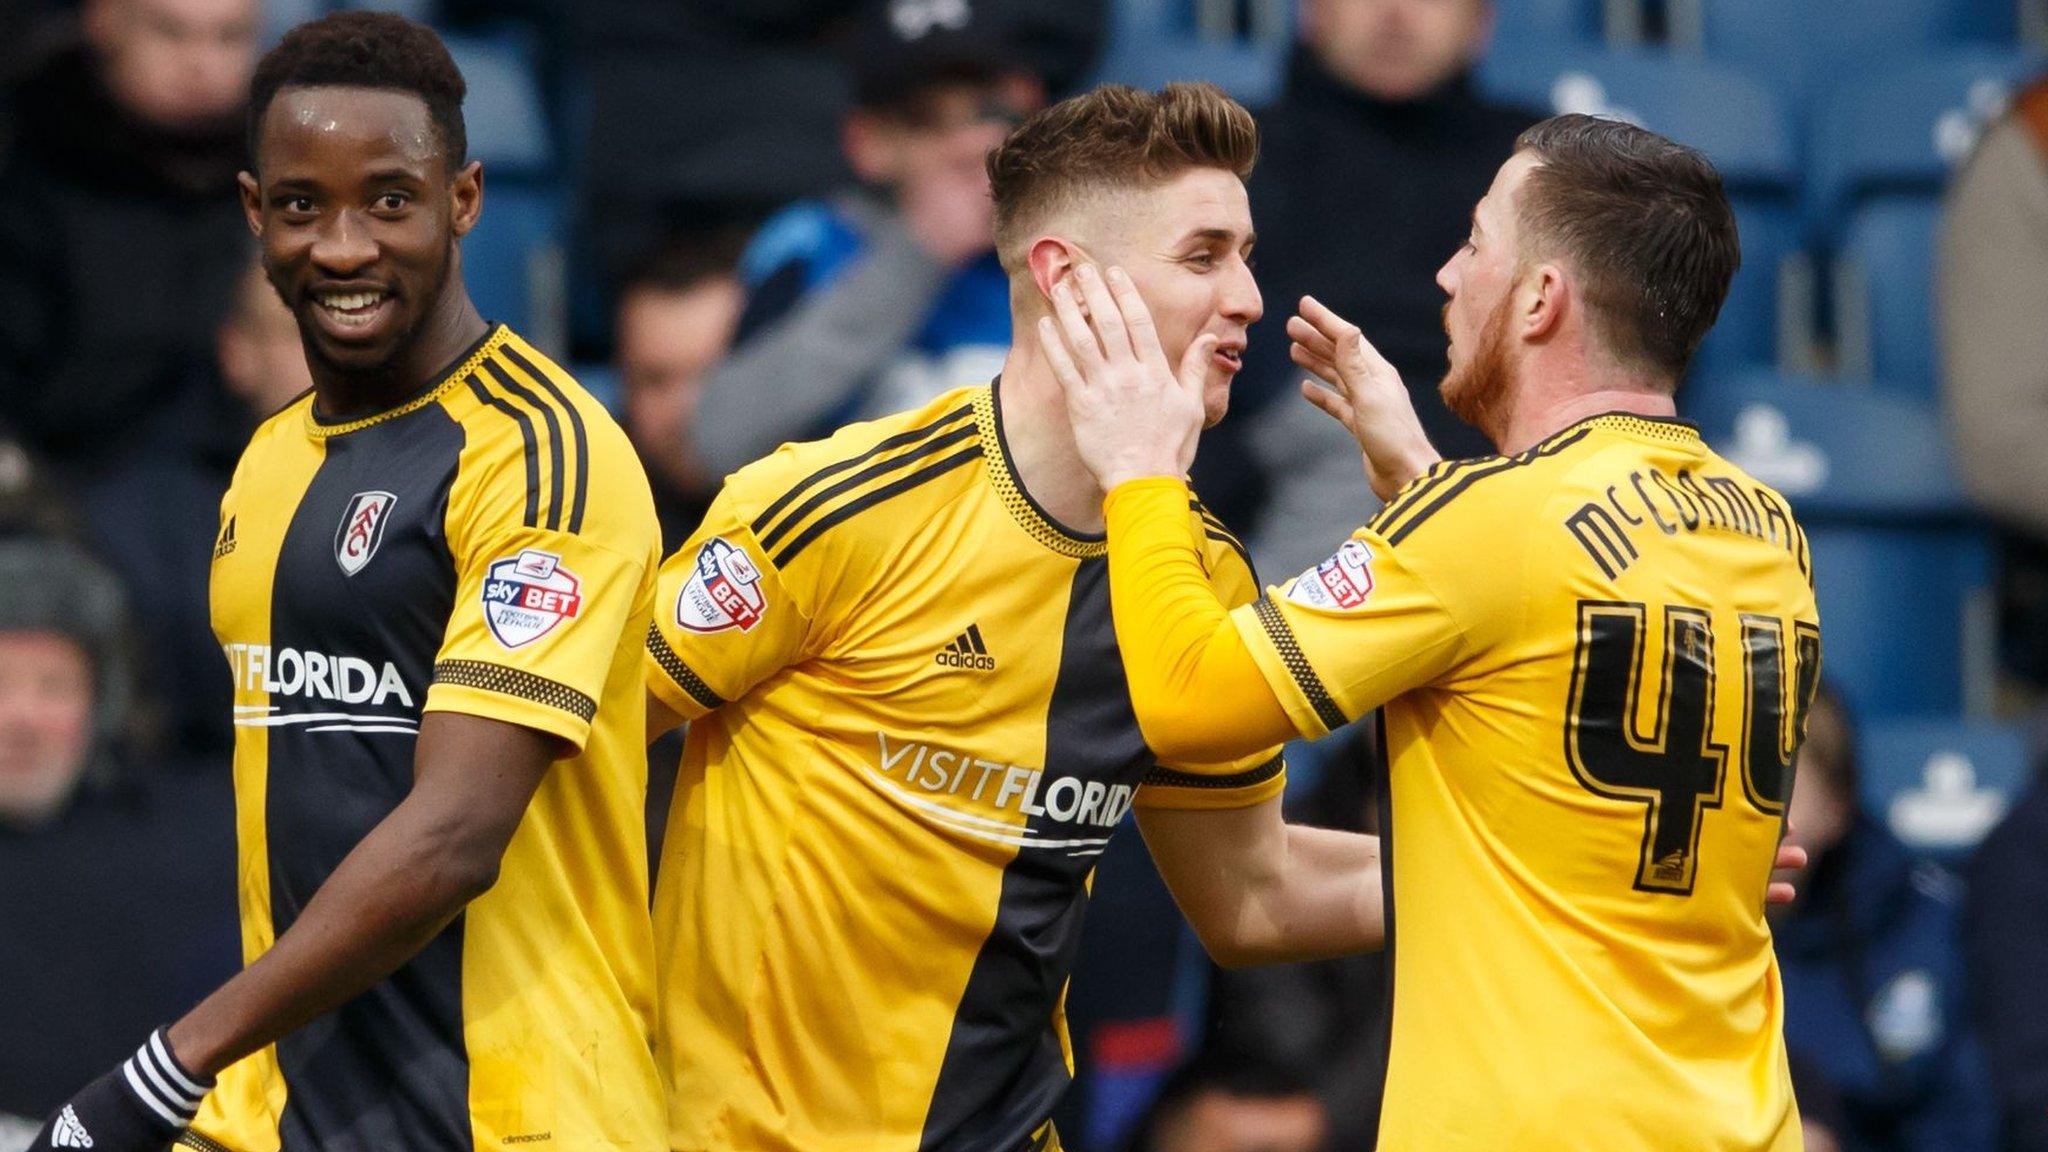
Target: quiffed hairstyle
(1111, 139)
(1645, 223)
(366, 50)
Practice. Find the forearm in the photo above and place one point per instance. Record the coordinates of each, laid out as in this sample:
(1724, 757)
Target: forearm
(803, 367)
(1197, 692)
(386, 901)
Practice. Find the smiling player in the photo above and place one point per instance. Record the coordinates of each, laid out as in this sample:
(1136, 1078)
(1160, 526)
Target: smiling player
(431, 581)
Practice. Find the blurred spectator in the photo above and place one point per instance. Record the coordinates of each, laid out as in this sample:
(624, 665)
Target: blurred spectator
(117, 905)
(120, 234)
(1993, 276)
(676, 316)
(1326, 1020)
(1821, 1119)
(1225, 1102)
(881, 298)
(1875, 989)
(2007, 932)
(155, 515)
(705, 114)
(1369, 165)
(262, 360)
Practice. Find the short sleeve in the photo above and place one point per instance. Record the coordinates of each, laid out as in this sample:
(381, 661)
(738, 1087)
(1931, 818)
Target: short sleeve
(724, 617)
(1240, 784)
(1350, 634)
(537, 622)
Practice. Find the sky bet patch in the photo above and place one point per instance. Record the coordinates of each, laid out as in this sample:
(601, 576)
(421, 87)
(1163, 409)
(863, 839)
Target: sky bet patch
(527, 595)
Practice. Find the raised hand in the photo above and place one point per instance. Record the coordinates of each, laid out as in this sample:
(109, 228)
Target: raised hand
(1365, 394)
(1133, 414)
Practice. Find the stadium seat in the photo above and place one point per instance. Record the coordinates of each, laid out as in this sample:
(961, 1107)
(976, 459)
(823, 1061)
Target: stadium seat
(1746, 334)
(1517, 23)
(1902, 129)
(508, 130)
(1902, 571)
(1740, 123)
(1155, 42)
(1805, 43)
(1940, 784)
(513, 261)
(1884, 293)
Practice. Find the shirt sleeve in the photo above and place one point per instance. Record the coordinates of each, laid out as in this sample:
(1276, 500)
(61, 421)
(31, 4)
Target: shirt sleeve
(1174, 571)
(725, 619)
(1349, 634)
(536, 627)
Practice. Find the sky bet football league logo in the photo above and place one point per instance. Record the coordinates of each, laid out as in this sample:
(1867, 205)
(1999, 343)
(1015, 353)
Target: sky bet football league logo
(526, 595)
(362, 529)
(1340, 583)
(723, 592)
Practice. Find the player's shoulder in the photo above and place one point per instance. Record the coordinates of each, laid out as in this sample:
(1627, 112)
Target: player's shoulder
(1495, 497)
(537, 443)
(806, 489)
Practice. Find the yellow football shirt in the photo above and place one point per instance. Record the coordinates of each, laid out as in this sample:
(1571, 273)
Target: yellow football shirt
(1595, 660)
(911, 740)
(489, 548)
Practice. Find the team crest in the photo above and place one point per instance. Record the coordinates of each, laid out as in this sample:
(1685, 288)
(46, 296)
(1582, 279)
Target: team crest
(527, 595)
(1340, 583)
(723, 592)
(362, 529)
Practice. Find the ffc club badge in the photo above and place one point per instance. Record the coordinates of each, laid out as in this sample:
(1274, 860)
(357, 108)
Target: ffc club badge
(723, 592)
(362, 529)
(1340, 583)
(526, 595)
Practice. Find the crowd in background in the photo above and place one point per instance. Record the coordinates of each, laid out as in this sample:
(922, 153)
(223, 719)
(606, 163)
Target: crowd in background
(781, 224)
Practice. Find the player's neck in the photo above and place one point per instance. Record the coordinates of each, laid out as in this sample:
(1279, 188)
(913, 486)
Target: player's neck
(451, 329)
(1041, 447)
(1538, 418)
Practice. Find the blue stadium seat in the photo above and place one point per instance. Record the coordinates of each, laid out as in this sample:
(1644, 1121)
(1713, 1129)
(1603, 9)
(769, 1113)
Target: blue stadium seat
(1746, 334)
(1902, 571)
(1518, 23)
(1902, 129)
(1941, 784)
(513, 260)
(508, 128)
(1803, 43)
(1252, 73)
(1155, 42)
(1884, 293)
(1740, 123)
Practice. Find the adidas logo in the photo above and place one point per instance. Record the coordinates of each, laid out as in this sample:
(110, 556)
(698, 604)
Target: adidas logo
(226, 543)
(69, 1133)
(967, 651)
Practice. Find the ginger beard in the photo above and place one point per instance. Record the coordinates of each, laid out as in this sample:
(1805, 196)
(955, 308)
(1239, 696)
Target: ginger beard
(1477, 391)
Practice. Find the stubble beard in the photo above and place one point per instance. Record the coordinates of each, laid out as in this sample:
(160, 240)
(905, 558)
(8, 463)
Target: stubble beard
(1478, 392)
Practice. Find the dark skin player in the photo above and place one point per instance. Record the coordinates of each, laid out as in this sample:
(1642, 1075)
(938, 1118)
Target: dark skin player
(358, 209)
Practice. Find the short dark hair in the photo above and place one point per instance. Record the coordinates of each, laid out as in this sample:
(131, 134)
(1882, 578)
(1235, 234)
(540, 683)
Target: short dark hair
(1114, 137)
(366, 50)
(1645, 223)
(1829, 742)
(680, 264)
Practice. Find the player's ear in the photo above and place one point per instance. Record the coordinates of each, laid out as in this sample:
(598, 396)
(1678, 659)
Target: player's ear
(252, 201)
(1545, 297)
(1051, 260)
(467, 193)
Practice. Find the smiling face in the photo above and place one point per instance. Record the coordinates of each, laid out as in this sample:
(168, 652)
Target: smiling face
(1186, 243)
(358, 213)
(1479, 280)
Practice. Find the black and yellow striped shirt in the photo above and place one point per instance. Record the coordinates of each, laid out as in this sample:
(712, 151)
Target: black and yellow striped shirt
(490, 548)
(912, 740)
